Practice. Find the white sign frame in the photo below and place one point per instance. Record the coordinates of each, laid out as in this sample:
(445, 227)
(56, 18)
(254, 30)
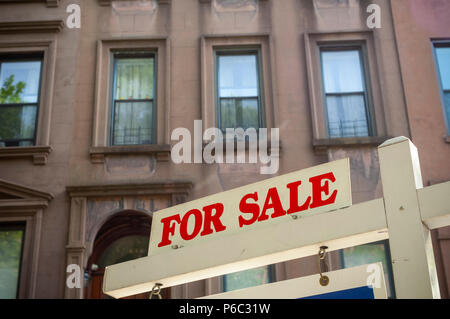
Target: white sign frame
(406, 214)
(343, 279)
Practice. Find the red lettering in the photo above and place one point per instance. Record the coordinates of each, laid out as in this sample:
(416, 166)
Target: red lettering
(168, 229)
(212, 219)
(318, 188)
(272, 201)
(197, 224)
(293, 199)
(247, 208)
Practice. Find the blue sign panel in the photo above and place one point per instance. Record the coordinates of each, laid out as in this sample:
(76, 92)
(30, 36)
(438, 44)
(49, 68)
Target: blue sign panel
(354, 293)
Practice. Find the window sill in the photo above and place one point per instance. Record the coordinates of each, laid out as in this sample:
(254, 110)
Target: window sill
(160, 151)
(233, 144)
(39, 154)
(447, 139)
(322, 145)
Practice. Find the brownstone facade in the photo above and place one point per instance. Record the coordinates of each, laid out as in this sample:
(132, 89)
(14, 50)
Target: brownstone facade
(72, 182)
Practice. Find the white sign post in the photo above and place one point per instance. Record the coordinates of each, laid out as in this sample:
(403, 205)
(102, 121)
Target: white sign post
(405, 215)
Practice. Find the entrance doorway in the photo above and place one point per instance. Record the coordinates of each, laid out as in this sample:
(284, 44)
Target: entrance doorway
(123, 237)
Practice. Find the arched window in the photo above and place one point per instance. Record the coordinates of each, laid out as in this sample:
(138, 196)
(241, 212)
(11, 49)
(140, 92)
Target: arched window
(123, 237)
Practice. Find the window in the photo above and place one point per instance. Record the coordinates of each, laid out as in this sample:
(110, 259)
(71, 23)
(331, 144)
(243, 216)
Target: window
(248, 278)
(238, 90)
(368, 254)
(345, 93)
(133, 115)
(443, 63)
(11, 248)
(124, 249)
(20, 79)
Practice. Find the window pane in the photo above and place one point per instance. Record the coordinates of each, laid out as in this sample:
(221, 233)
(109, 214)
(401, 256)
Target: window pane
(447, 104)
(17, 122)
(250, 116)
(238, 76)
(347, 116)
(443, 57)
(133, 123)
(10, 257)
(20, 82)
(247, 278)
(368, 254)
(124, 249)
(228, 113)
(241, 113)
(342, 71)
(134, 79)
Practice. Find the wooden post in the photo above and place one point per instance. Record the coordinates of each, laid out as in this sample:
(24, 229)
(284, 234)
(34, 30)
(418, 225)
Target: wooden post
(410, 241)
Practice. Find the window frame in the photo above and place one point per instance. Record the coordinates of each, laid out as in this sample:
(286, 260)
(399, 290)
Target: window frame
(124, 55)
(22, 227)
(368, 101)
(435, 46)
(239, 51)
(25, 57)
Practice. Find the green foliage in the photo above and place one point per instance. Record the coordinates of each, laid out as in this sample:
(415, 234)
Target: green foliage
(10, 254)
(11, 117)
(10, 93)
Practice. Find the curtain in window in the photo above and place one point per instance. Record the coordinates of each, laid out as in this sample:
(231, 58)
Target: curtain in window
(347, 116)
(133, 123)
(134, 79)
(241, 113)
(238, 76)
(133, 101)
(238, 91)
(345, 94)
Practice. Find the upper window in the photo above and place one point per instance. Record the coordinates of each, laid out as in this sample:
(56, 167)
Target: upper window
(345, 93)
(238, 90)
(443, 63)
(11, 246)
(19, 100)
(133, 118)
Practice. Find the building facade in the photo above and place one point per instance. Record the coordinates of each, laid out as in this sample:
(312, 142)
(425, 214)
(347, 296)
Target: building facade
(88, 108)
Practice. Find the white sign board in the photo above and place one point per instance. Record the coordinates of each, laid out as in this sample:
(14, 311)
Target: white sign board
(299, 194)
(363, 282)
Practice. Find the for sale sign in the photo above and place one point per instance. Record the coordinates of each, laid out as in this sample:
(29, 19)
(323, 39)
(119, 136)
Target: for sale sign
(280, 199)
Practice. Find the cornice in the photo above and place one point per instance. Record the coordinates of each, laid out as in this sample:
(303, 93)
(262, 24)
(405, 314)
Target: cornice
(45, 26)
(50, 3)
(163, 188)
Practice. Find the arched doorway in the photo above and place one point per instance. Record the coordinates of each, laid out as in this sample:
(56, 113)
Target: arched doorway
(123, 237)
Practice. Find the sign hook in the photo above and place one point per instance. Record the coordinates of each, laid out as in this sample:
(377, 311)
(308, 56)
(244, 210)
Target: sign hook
(324, 280)
(156, 292)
